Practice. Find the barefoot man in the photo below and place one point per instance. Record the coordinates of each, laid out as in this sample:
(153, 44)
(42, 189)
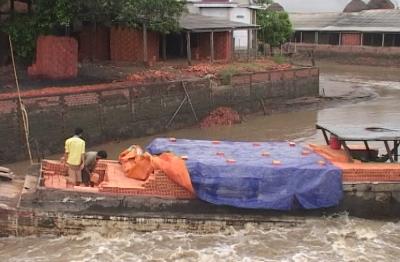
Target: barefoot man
(75, 157)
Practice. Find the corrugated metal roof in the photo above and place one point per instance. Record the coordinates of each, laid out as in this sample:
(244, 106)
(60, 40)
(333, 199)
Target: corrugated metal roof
(364, 21)
(313, 21)
(194, 22)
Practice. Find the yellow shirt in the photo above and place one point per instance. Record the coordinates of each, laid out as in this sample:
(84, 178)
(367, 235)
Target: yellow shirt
(75, 147)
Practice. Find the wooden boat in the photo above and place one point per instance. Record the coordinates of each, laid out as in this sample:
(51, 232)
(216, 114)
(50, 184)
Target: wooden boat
(41, 203)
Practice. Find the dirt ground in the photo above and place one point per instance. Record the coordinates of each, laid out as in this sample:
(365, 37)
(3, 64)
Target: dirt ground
(107, 72)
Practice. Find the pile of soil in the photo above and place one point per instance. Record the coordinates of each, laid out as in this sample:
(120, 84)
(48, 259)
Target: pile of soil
(222, 116)
(151, 76)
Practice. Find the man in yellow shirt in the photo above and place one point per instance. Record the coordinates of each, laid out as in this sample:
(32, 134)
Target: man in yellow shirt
(74, 157)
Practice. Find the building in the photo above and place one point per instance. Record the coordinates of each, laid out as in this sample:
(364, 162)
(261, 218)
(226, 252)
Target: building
(200, 38)
(376, 28)
(243, 11)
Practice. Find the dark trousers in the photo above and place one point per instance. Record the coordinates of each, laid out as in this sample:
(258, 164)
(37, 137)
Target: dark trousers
(86, 177)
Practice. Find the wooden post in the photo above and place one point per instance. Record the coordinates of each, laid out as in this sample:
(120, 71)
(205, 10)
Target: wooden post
(340, 38)
(164, 47)
(383, 39)
(316, 40)
(145, 55)
(232, 46)
(301, 36)
(189, 52)
(256, 43)
(212, 46)
(30, 6)
(362, 39)
(248, 44)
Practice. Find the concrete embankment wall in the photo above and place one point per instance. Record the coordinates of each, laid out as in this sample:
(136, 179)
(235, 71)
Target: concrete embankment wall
(125, 110)
(348, 54)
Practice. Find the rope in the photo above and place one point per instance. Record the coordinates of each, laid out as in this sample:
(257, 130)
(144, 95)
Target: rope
(24, 113)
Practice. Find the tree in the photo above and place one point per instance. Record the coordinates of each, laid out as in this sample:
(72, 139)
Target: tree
(276, 28)
(263, 2)
(58, 16)
(157, 15)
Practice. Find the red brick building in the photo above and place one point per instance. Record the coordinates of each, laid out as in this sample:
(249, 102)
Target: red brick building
(201, 38)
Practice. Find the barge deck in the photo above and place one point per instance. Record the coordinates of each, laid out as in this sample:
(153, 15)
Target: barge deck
(27, 208)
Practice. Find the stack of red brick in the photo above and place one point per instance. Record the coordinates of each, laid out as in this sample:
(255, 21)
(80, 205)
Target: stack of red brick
(126, 44)
(94, 43)
(56, 58)
(222, 46)
(158, 185)
(351, 39)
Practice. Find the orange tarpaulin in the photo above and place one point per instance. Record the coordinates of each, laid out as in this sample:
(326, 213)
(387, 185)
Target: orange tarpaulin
(175, 168)
(139, 165)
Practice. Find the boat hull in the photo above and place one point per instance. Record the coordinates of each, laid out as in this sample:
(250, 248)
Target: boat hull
(36, 210)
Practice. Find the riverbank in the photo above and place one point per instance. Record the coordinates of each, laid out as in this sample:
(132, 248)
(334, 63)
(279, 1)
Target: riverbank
(294, 119)
(122, 110)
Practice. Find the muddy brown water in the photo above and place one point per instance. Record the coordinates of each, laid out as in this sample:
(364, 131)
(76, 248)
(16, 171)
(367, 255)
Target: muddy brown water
(339, 238)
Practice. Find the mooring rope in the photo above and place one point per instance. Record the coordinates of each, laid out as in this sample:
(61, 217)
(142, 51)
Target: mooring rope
(24, 113)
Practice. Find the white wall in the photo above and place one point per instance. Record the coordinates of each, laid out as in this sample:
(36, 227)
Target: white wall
(216, 12)
(237, 14)
(240, 14)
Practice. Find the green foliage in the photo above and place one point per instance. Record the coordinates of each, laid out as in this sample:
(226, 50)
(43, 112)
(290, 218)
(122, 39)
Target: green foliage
(263, 2)
(276, 28)
(55, 16)
(279, 59)
(23, 32)
(226, 75)
(158, 15)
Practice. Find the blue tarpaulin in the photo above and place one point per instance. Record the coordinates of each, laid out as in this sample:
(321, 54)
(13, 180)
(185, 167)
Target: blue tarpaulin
(265, 175)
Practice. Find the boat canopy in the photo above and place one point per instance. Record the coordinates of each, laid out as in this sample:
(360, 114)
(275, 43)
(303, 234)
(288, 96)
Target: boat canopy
(365, 134)
(362, 133)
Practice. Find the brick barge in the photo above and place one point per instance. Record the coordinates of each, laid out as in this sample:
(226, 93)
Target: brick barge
(26, 208)
(39, 203)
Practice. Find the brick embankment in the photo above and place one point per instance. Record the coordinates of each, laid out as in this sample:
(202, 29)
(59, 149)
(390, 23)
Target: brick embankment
(126, 110)
(354, 55)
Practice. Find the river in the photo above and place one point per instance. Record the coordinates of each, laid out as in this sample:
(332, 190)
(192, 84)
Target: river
(338, 238)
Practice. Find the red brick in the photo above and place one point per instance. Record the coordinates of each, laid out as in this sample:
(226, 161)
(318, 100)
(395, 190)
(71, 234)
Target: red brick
(56, 58)
(351, 39)
(260, 77)
(127, 45)
(276, 76)
(94, 44)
